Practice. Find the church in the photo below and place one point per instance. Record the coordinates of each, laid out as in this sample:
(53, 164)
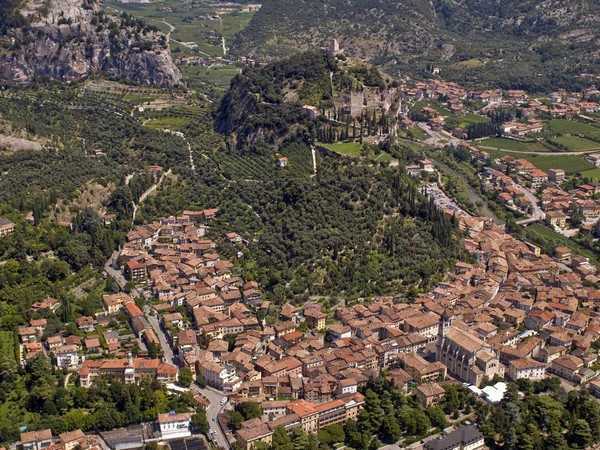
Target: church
(467, 357)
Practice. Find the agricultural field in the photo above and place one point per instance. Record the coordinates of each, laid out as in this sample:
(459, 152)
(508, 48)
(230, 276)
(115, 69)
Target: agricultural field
(510, 144)
(196, 28)
(569, 163)
(417, 133)
(442, 110)
(234, 23)
(416, 146)
(470, 119)
(351, 149)
(576, 143)
(214, 79)
(167, 122)
(593, 174)
(469, 64)
(573, 127)
(247, 167)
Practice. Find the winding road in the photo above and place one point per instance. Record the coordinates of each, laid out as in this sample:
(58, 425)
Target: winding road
(147, 192)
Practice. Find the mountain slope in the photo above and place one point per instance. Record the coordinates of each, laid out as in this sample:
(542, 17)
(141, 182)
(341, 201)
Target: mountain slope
(371, 28)
(534, 43)
(69, 40)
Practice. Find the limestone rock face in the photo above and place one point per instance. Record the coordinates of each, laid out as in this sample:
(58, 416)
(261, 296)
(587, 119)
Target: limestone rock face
(69, 40)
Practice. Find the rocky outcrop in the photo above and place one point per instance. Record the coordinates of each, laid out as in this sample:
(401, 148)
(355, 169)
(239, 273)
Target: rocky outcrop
(70, 40)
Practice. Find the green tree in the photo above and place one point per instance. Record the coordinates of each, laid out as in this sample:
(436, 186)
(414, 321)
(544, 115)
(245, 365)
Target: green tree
(281, 440)
(249, 410)
(437, 417)
(200, 422)
(581, 434)
(235, 420)
(390, 430)
(200, 380)
(185, 377)
(555, 441)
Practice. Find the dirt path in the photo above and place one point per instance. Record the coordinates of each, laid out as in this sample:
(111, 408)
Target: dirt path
(146, 193)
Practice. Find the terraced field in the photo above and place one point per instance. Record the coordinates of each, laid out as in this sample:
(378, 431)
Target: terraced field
(247, 167)
(569, 163)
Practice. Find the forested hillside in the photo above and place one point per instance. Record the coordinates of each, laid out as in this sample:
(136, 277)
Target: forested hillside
(256, 111)
(544, 43)
(353, 230)
(296, 99)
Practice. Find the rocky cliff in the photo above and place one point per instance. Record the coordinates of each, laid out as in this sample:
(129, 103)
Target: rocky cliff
(69, 40)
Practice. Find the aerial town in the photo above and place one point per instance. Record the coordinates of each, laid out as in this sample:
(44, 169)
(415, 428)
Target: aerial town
(282, 238)
(512, 313)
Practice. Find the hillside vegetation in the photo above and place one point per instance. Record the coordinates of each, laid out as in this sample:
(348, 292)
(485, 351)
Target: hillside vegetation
(257, 111)
(536, 44)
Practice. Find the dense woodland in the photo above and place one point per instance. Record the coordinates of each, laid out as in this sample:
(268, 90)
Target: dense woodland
(36, 396)
(254, 108)
(352, 230)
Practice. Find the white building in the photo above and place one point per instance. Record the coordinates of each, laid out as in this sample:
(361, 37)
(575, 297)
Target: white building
(222, 377)
(67, 357)
(526, 368)
(174, 426)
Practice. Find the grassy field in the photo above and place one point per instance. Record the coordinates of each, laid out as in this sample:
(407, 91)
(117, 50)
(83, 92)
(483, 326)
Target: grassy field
(167, 122)
(384, 157)
(549, 239)
(219, 77)
(576, 143)
(467, 64)
(470, 119)
(563, 126)
(344, 148)
(510, 144)
(418, 133)
(569, 163)
(594, 174)
(418, 106)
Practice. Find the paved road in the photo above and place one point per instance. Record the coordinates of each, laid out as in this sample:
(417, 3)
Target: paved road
(537, 214)
(164, 343)
(214, 397)
(114, 273)
(212, 411)
(521, 152)
(147, 192)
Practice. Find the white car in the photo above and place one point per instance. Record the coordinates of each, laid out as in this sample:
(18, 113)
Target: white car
(223, 401)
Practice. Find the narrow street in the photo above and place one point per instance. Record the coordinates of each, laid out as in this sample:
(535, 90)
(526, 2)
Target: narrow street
(215, 407)
(537, 214)
(113, 273)
(168, 355)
